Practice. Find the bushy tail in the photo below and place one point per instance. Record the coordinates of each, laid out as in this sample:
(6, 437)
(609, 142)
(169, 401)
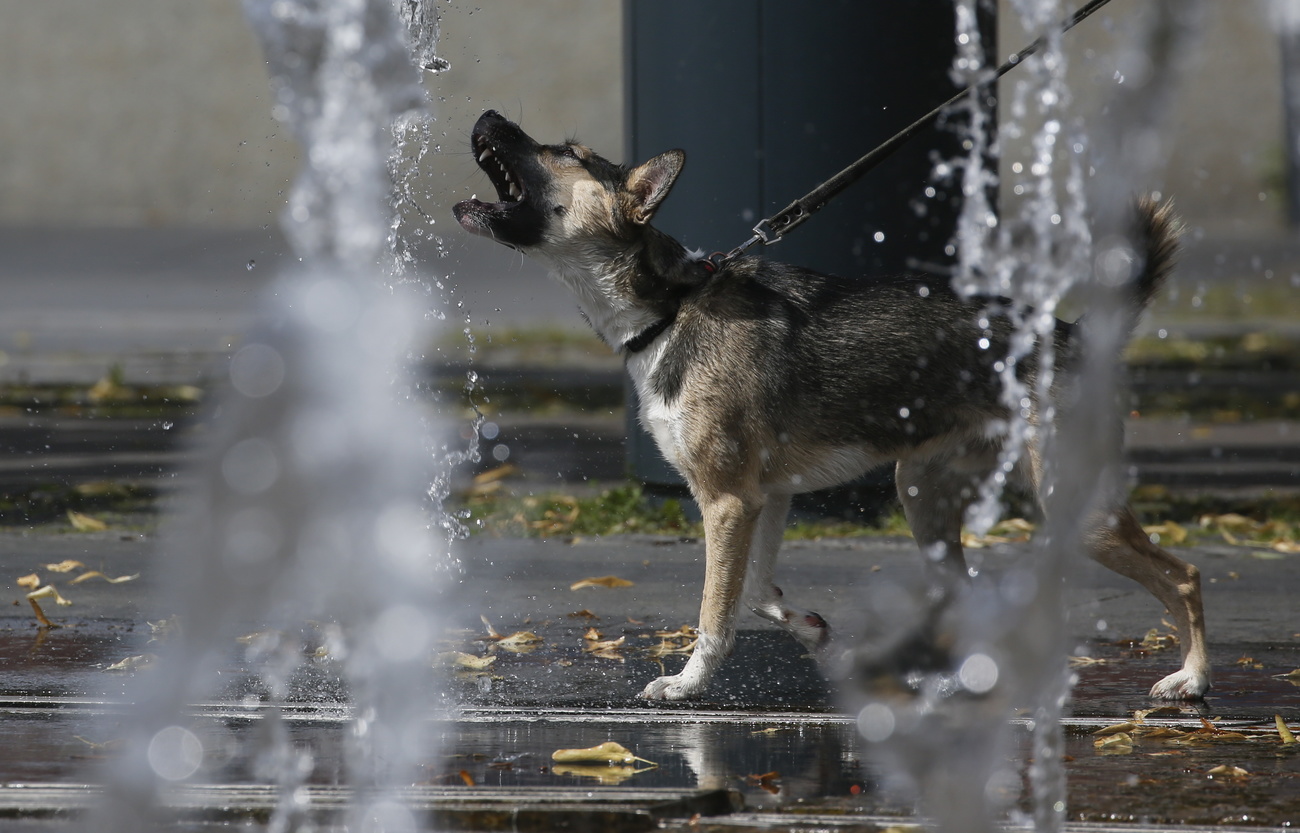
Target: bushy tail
(1156, 232)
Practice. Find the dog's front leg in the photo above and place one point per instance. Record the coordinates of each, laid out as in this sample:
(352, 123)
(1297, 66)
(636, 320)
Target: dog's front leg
(728, 529)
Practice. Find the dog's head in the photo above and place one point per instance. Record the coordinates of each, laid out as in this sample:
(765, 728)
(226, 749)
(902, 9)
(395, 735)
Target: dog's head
(555, 199)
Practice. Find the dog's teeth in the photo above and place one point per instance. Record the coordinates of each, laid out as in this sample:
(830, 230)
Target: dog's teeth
(486, 154)
(515, 192)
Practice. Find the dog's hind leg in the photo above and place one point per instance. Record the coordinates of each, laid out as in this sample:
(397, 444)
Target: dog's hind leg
(1118, 541)
(729, 521)
(761, 593)
(934, 495)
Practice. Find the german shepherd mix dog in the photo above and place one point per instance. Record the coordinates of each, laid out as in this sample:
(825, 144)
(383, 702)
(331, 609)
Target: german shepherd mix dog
(760, 380)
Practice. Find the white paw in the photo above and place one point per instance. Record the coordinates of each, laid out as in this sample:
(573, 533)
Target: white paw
(811, 630)
(676, 687)
(1182, 685)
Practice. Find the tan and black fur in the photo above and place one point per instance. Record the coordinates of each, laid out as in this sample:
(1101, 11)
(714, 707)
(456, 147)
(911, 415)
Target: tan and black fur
(760, 380)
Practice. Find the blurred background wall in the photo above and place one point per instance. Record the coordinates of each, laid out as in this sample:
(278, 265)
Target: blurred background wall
(154, 113)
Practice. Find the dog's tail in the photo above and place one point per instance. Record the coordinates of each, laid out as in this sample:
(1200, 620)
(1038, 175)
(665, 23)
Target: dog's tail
(1156, 232)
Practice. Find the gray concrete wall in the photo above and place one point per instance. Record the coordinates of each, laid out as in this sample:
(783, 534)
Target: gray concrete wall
(154, 112)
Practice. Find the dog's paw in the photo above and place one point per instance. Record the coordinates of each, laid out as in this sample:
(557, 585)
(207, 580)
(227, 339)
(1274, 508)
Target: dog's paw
(812, 631)
(1183, 684)
(676, 687)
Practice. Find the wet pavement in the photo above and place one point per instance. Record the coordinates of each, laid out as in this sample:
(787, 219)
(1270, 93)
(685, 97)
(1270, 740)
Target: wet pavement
(768, 747)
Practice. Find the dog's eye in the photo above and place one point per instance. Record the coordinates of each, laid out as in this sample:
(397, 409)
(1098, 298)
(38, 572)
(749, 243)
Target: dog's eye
(570, 153)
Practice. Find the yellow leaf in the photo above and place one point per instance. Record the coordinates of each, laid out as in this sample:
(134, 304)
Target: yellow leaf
(48, 592)
(603, 581)
(1118, 728)
(85, 523)
(1163, 733)
(30, 581)
(1169, 532)
(1227, 771)
(493, 475)
(65, 566)
(464, 660)
(605, 753)
(592, 635)
(98, 574)
(607, 645)
(520, 642)
(1289, 547)
(135, 663)
(1282, 730)
(1117, 744)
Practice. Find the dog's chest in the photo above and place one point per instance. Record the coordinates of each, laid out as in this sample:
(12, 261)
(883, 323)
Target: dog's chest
(663, 419)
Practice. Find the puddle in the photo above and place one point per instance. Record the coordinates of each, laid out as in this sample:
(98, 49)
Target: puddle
(768, 730)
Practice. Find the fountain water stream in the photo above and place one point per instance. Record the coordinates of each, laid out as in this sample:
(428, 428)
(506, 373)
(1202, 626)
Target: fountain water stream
(1004, 639)
(312, 503)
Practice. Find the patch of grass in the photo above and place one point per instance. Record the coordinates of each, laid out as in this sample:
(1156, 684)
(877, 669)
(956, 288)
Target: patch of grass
(49, 503)
(618, 511)
(493, 509)
(110, 397)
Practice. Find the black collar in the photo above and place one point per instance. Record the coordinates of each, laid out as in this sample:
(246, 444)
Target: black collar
(642, 340)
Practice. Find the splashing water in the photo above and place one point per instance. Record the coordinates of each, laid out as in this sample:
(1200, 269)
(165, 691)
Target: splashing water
(313, 502)
(1001, 643)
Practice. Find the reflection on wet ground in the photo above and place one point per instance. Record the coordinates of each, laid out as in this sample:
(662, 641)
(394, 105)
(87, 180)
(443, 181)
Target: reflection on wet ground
(769, 731)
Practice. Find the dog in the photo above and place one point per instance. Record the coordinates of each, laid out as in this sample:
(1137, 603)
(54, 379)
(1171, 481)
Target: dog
(759, 380)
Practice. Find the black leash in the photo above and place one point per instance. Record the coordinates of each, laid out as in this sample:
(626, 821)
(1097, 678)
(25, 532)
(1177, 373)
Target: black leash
(772, 229)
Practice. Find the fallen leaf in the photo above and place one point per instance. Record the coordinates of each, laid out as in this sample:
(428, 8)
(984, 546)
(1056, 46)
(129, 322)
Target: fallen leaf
(582, 614)
(520, 642)
(98, 574)
(603, 581)
(1117, 729)
(772, 731)
(592, 635)
(65, 566)
(766, 781)
(1163, 733)
(1282, 730)
(1080, 662)
(605, 645)
(464, 660)
(1117, 744)
(134, 663)
(48, 592)
(1167, 532)
(268, 637)
(493, 475)
(85, 523)
(1226, 771)
(112, 745)
(467, 778)
(30, 581)
(1157, 641)
(605, 753)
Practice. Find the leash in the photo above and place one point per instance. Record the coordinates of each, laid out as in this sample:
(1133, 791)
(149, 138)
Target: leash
(772, 229)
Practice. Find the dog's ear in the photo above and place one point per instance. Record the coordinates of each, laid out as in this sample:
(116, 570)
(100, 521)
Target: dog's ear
(650, 182)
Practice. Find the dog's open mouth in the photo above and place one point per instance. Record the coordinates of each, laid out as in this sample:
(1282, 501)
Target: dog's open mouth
(509, 186)
(501, 149)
